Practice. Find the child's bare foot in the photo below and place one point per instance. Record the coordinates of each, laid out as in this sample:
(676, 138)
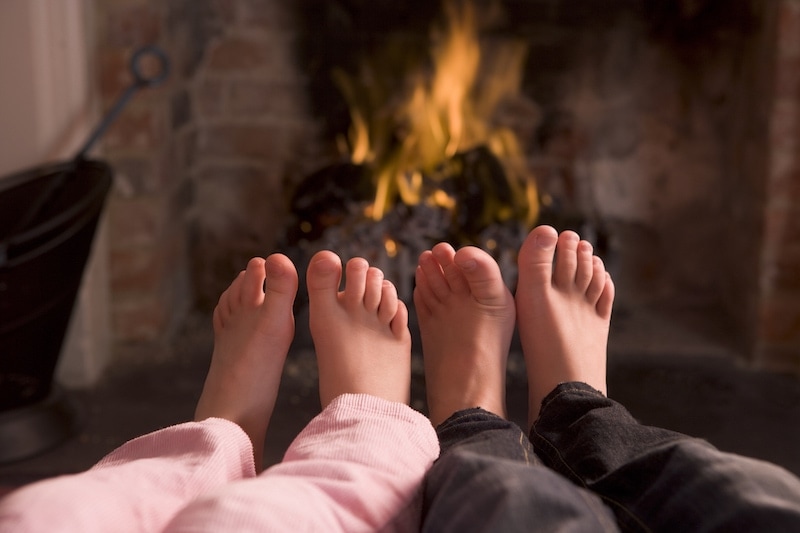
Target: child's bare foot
(466, 318)
(253, 329)
(563, 312)
(360, 334)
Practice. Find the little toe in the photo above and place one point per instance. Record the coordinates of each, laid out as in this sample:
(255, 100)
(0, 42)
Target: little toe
(399, 323)
(536, 256)
(606, 301)
(598, 281)
(566, 260)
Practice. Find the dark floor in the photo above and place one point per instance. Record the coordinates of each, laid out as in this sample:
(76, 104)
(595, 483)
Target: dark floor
(666, 374)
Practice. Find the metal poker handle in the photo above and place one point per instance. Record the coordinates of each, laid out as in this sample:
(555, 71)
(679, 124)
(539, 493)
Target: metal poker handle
(140, 81)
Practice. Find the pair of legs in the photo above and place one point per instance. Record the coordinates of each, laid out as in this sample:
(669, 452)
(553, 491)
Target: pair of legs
(586, 464)
(357, 466)
(361, 338)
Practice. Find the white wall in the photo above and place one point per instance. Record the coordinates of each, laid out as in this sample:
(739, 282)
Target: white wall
(44, 81)
(45, 115)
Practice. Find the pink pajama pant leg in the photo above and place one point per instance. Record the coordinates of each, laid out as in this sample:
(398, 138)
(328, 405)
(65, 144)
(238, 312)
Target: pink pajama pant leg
(138, 487)
(358, 466)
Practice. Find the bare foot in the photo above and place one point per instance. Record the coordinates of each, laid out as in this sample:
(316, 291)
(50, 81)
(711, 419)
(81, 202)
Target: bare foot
(360, 334)
(466, 318)
(563, 312)
(253, 329)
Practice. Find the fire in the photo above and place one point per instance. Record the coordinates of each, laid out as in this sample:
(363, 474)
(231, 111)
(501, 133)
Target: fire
(411, 140)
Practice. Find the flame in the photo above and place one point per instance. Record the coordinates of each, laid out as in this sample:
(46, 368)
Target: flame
(443, 112)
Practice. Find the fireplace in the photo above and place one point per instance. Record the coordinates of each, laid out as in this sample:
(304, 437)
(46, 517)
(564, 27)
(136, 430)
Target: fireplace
(650, 125)
(632, 117)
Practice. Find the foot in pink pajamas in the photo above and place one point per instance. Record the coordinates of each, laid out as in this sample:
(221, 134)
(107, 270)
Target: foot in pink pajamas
(253, 329)
(358, 465)
(360, 334)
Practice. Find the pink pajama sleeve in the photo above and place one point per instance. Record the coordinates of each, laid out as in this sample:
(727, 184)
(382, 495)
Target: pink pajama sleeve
(140, 486)
(358, 466)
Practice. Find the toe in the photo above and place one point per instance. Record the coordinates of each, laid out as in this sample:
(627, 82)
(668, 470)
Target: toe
(482, 275)
(373, 289)
(585, 266)
(324, 276)
(281, 280)
(536, 256)
(606, 301)
(252, 283)
(355, 282)
(432, 270)
(445, 255)
(566, 260)
(399, 323)
(388, 302)
(423, 296)
(598, 281)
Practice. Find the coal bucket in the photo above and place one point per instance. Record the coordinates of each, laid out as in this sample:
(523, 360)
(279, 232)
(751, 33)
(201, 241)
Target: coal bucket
(41, 268)
(48, 218)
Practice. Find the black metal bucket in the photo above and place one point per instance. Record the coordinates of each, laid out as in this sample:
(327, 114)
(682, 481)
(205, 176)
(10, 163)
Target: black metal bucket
(41, 271)
(48, 218)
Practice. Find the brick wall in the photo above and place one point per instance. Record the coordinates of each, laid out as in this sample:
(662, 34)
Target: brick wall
(202, 161)
(146, 211)
(778, 328)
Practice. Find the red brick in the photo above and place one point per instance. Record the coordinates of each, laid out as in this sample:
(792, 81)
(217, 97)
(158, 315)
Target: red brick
(145, 318)
(133, 25)
(789, 27)
(258, 142)
(780, 321)
(139, 221)
(135, 174)
(209, 98)
(140, 127)
(787, 77)
(785, 121)
(785, 181)
(782, 227)
(113, 71)
(267, 14)
(145, 269)
(278, 100)
(238, 54)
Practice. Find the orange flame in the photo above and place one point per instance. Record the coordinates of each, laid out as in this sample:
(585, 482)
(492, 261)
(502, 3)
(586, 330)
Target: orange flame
(442, 113)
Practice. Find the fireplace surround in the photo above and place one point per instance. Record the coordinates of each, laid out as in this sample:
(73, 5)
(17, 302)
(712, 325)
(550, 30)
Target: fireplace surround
(672, 125)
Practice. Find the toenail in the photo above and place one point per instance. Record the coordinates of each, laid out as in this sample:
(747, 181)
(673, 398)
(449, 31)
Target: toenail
(546, 241)
(469, 264)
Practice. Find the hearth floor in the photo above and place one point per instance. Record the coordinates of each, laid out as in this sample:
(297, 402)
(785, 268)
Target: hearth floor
(689, 385)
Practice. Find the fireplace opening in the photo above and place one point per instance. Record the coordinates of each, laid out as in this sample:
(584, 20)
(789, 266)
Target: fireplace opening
(632, 122)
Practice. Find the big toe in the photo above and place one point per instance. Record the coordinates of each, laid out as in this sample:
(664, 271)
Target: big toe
(281, 280)
(536, 255)
(324, 276)
(482, 274)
